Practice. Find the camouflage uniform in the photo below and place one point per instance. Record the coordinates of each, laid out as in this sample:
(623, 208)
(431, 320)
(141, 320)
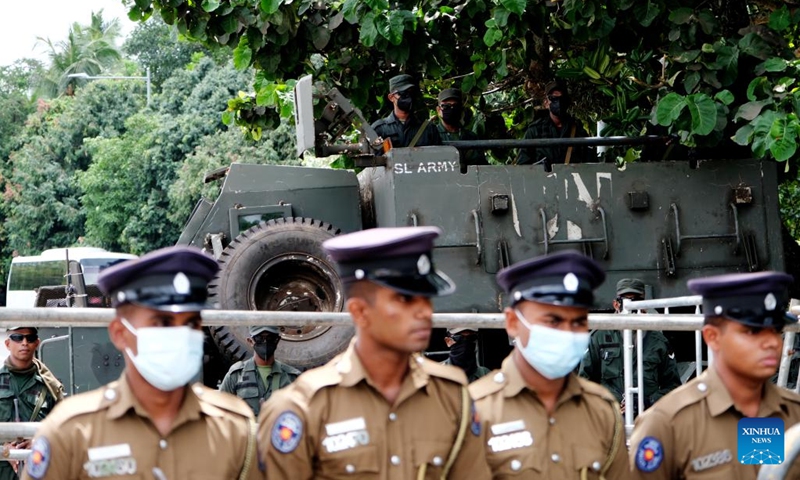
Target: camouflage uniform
(470, 156)
(402, 133)
(244, 381)
(545, 128)
(603, 364)
(36, 392)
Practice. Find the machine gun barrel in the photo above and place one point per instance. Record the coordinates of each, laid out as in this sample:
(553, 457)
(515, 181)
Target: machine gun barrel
(557, 142)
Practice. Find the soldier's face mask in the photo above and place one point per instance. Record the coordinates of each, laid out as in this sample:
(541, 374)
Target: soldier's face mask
(405, 100)
(558, 104)
(265, 345)
(167, 357)
(462, 353)
(452, 113)
(552, 352)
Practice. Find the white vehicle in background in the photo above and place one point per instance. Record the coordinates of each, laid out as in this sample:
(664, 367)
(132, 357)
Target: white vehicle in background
(28, 273)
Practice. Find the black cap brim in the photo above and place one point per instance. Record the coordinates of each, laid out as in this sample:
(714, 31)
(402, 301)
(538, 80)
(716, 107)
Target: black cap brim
(434, 284)
(176, 308)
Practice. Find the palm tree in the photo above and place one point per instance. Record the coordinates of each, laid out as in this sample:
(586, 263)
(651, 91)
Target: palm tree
(89, 49)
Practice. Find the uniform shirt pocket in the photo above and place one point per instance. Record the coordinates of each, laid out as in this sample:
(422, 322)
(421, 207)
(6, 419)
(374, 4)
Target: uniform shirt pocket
(612, 368)
(589, 459)
(433, 455)
(247, 390)
(518, 463)
(361, 462)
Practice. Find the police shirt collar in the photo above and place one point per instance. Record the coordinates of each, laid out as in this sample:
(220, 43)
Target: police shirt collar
(515, 383)
(352, 370)
(719, 400)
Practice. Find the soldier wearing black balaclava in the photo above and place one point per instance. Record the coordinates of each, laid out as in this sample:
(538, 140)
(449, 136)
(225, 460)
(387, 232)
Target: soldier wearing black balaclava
(254, 380)
(463, 344)
(558, 123)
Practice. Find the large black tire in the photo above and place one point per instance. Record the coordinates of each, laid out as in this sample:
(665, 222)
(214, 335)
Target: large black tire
(280, 265)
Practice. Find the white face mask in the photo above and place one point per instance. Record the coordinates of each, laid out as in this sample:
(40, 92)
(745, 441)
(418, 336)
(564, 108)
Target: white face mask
(553, 353)
(167, 357)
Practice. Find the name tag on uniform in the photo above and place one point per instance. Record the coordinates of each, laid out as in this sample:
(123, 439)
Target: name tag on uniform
(346, 435)
(711, 460)
(111, 460)
(509, 436)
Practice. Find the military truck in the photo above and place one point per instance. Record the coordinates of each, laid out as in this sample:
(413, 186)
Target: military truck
(664, 222)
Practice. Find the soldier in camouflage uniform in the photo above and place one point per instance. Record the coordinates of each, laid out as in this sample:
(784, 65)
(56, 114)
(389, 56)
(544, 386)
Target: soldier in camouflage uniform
(557, 124)
(256, 379)
(451, 113)
(28, 390)
(603, 361)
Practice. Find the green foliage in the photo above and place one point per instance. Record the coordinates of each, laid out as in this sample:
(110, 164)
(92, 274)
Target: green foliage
(89, 49)
(156, 46)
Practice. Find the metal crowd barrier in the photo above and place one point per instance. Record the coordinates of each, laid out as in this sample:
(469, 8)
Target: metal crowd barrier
(625, 321)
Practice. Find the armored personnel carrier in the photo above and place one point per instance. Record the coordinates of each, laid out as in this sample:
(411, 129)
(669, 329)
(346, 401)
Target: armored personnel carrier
(664, 222)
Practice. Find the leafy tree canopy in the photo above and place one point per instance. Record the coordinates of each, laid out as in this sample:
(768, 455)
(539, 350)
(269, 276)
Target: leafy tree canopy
(707, 71)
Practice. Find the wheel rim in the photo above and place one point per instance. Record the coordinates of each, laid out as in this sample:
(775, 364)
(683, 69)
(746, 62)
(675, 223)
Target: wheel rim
(296, 282)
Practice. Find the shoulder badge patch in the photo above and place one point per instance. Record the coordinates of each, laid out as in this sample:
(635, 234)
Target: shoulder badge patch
(287, 432)
(475, 427)
(40, 458)
(649, 455)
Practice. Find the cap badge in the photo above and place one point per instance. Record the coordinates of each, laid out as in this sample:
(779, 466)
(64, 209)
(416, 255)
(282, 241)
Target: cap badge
(121, 297)
(359, 274)
(181, 284)
(518, 295)
(423, 265)
(718, 310)
(571, 282)
(770, 302)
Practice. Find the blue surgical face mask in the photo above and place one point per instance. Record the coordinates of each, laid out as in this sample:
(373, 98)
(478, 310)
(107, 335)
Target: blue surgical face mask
(553, 353)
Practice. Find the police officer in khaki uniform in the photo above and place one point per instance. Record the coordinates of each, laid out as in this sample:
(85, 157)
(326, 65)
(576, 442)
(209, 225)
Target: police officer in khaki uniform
(256, 379)
(380, 410)
(691, 433)
(542, 420)
(151, 424)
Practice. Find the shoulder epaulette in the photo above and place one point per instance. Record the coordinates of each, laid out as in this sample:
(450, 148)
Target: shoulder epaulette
(314, 380)
(288, 368)
(81, 404)
(682, 397)
(236, 366)
(221, 400)
(448, 372)
(489, 384)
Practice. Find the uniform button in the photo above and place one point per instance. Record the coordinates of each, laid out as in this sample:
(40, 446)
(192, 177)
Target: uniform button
(516, 465)
(499, 377)
(555, 458)
(110, 394)
(392, 416)
(702, 387)
(437, 461)
(395, 460)
(420, 360)
(341, 367)
(163, 444)
(350, 468)
(552, 421)
(198, 390)
(596, 466)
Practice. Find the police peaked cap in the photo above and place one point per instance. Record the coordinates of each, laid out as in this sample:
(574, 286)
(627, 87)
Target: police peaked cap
(398, 258)
(755, 299)
(565, 278)
(173, 279)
